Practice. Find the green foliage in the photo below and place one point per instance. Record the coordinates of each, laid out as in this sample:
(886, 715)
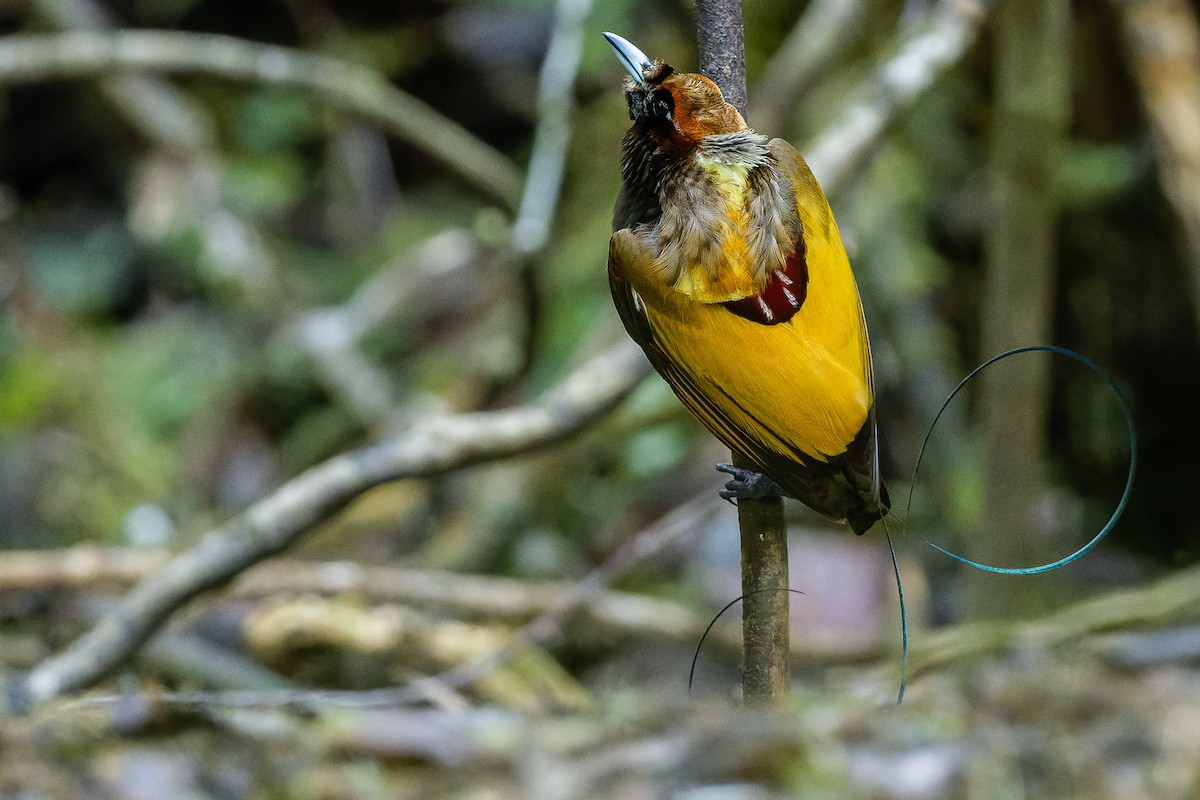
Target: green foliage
(27, 385)
(170, 373)
(269, 120)
(75, 271)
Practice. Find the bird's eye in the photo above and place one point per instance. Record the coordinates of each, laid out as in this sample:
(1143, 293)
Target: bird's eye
(662, 104)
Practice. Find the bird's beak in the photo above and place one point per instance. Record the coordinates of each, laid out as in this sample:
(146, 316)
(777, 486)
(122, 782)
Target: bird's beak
(633, 59)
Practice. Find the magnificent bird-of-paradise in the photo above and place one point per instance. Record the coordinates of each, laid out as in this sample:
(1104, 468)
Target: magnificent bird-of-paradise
(727, 267)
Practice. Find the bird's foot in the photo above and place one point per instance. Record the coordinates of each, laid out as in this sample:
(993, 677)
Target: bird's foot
(748, 485)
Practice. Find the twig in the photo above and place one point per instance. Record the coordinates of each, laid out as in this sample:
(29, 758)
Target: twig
(423, 285)
(331, 336)
(198, 661)
(82, 566)
(386, 639)
(430, 447)
(932, 48)
(175, 125)
(556, 107)
(473, 596)
(357, 89)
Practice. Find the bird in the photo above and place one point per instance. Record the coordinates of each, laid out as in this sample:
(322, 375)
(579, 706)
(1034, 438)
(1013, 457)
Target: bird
(727, 268)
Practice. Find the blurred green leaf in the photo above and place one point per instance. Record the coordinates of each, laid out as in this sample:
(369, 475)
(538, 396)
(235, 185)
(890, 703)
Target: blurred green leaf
(264, 184)
(1091, 175)
(270, 120)
(27, 383)
(77, 273)
(169, 370)
(656, 450)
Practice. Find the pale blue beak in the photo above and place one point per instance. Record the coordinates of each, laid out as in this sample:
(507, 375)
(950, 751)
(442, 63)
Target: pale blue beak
(634, 60)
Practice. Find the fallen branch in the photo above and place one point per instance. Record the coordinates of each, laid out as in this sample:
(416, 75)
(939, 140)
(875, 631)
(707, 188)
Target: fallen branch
(671, 529)
(603, 612)
(482, 597)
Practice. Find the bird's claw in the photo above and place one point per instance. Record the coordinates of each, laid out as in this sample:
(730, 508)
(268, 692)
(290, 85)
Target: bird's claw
(746, 484)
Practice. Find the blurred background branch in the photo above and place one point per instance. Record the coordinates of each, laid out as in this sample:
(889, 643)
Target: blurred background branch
(77, 54)
(160, 113)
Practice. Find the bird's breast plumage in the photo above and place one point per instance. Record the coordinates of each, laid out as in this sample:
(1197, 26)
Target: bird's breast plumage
(726, 221)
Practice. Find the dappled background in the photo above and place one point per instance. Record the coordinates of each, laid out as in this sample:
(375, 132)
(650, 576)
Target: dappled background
(231, 265)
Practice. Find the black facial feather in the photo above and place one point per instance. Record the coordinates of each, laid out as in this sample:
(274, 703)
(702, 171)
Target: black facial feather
(642, 170)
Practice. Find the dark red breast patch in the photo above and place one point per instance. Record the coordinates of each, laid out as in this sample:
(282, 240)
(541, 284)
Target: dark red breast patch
(783, 295)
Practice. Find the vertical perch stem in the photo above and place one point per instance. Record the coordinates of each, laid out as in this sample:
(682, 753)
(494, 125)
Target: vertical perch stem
(723, 48)
(765, 618)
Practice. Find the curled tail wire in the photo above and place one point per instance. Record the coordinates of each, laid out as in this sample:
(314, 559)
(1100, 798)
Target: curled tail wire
(1053, 565)
(903, 617)
(1116, 514)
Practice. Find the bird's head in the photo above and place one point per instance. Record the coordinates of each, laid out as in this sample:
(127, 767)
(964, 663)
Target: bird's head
(676, 108)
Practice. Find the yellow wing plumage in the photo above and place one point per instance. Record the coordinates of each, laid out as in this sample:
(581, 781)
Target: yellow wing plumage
(796, 397)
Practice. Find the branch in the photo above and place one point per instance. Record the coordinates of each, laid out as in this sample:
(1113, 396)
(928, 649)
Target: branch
(766, 619)
(721, 37)
(331, 336)
(544, 174)
(556, 107)
(481, 597)
(431, 447)
(353, 88)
